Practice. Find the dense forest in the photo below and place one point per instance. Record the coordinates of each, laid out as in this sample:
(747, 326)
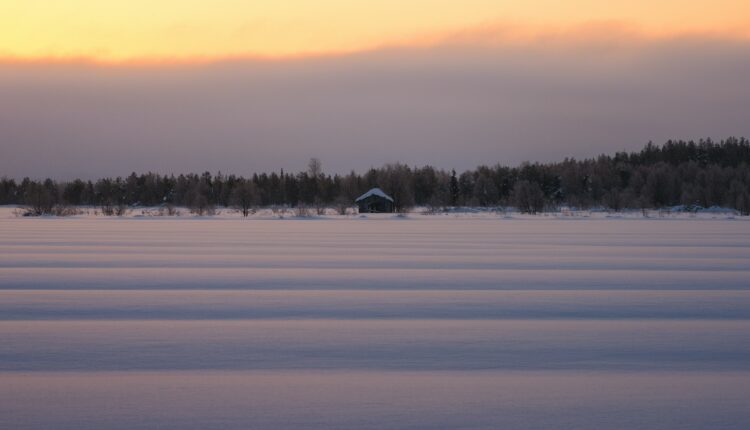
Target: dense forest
(693, 174)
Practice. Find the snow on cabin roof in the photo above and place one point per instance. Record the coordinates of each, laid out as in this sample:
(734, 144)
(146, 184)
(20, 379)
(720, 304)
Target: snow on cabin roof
(374, 192)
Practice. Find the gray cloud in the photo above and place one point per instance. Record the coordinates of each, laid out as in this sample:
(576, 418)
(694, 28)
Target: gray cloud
(456, 105)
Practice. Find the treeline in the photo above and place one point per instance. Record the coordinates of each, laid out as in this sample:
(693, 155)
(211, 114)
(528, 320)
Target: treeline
(694, 174)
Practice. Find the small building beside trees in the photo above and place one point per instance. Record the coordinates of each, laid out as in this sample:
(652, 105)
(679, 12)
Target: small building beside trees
(375, 201)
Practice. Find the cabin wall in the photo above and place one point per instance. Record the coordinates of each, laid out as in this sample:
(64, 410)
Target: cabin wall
(375, 204)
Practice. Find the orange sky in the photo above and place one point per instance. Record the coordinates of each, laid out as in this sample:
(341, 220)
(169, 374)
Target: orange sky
(187, 30)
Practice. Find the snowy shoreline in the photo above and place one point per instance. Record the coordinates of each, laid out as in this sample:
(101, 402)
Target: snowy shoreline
(155, 212)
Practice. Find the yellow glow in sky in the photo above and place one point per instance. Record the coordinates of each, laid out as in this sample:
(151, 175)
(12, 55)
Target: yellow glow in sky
(121, 30)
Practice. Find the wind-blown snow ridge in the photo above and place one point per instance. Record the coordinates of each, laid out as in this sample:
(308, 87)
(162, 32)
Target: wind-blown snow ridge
(468, 321)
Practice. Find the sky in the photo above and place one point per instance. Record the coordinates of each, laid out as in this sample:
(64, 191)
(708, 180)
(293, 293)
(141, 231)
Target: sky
(93, 88)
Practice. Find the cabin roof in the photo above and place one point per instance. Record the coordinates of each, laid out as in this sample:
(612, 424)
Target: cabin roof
(374, 192)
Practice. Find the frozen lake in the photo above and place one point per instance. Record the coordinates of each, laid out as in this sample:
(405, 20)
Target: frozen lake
(420, 323)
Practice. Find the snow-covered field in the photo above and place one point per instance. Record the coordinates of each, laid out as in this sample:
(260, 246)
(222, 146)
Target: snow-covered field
(467, 320)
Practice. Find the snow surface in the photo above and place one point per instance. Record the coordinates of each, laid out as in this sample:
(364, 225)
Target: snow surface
(467, 320)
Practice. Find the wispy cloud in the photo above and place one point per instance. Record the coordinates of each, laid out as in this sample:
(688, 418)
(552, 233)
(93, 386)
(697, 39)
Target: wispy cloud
(496, 34)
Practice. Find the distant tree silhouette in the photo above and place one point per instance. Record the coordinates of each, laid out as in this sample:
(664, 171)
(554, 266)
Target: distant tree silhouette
(694, 174)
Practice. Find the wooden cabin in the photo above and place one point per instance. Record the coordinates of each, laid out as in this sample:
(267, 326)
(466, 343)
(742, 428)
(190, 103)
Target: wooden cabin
(375, 201)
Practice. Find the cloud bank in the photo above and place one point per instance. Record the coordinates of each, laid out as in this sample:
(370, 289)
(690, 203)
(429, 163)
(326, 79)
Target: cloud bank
(454, 105)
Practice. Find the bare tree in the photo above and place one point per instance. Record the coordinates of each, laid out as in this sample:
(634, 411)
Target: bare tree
(343, 204)
(314, 168)
(397, 180)
(245, 197)
(39, 200)
(315, 173)
(198, 202)
(529, 197)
